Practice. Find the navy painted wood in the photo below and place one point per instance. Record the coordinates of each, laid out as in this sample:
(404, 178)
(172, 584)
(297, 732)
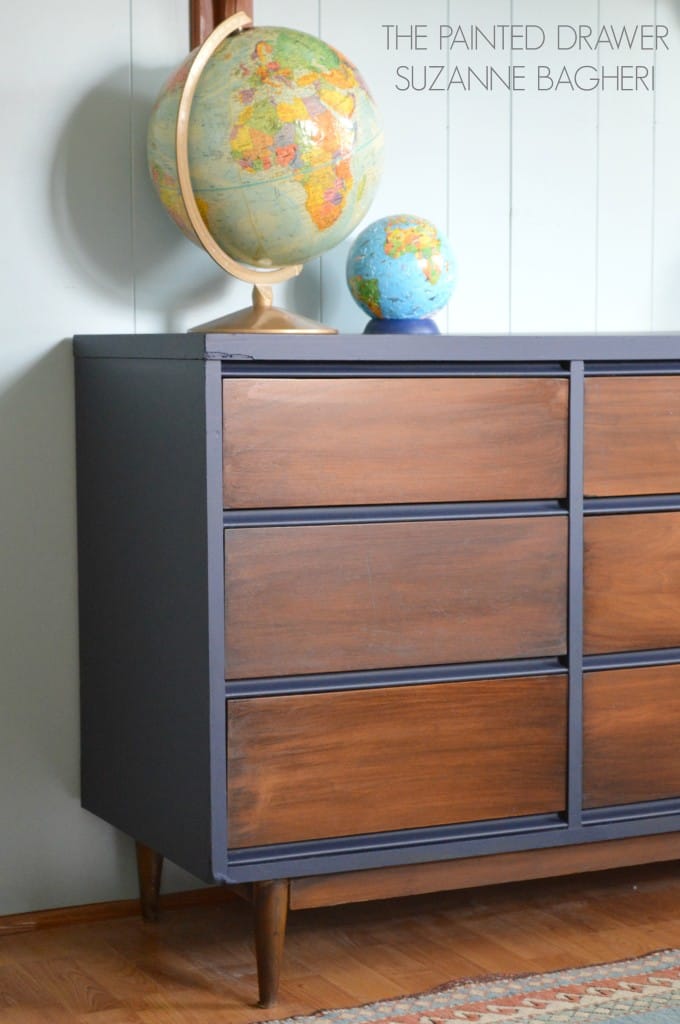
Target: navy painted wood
(575, 612)
(390, 368)
(143, 589)
(215, 598)
(391, 513)
(470, 348)
(633, 503)
(380, 678)
(632, 659)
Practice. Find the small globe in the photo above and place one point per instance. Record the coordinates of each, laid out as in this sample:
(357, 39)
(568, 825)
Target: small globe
(401, 268)
(284, 146)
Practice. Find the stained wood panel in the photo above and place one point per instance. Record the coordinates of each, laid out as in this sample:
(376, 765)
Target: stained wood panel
(344, 442)
(412, 879)
(631, 735)
(406, 757)
(337, 598)
(632, 435)
(632, 582)
(207, 14)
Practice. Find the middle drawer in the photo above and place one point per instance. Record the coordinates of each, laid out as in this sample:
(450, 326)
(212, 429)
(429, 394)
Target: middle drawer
(316, 599)
(632, 582)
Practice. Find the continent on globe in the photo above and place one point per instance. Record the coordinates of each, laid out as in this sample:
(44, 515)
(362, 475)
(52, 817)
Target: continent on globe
(405, 235)
(285, 146)
(401, 268)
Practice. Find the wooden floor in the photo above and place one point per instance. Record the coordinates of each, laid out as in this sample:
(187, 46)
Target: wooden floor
(196, 966)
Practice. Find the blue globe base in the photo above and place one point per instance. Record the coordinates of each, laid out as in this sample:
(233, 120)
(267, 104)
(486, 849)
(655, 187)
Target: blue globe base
(410, 326)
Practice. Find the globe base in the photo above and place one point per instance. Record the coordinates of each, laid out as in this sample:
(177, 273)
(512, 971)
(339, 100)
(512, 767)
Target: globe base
(410, 326)
(262, 318)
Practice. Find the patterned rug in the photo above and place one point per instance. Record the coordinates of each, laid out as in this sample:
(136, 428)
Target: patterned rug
(643, 991)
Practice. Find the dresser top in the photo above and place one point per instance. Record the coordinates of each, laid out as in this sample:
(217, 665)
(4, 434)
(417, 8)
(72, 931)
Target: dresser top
(476, 348)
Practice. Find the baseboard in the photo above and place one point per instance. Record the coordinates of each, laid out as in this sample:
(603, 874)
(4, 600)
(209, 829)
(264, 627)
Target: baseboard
(90, 912)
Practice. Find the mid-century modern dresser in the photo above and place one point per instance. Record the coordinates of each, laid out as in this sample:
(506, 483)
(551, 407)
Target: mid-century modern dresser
(363, 616)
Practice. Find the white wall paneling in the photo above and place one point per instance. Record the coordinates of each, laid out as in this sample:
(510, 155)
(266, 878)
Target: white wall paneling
(625, 197)
(479, 180)
(666, 263)
(554, 185)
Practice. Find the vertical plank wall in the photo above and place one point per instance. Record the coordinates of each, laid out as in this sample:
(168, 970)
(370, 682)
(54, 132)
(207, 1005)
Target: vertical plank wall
(666, 192)
(479, 175)
(563, 206)
(553, 194)
(625, 194)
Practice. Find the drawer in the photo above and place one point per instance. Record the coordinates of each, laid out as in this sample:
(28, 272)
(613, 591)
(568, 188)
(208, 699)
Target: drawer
(631, 735)
(339, 598)
(632, 582)
(382, 441)
(334, 764)
(632, 435)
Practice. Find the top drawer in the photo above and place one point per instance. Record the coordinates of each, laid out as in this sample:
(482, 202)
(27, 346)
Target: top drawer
(632, 435)
(308, 442)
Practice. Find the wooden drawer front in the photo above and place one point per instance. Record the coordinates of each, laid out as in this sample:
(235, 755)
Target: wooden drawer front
(631, 735)
(632, 582)
(632, 435)
(348, 442)
(338, 598)
(338, 764)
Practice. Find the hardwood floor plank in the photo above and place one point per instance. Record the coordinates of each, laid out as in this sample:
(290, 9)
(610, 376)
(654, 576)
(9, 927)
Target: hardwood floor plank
(196, 966)
(121, 1015)
(580, 944)
(20, 990)
(36, 1015)
(73, 986)
(519, 937)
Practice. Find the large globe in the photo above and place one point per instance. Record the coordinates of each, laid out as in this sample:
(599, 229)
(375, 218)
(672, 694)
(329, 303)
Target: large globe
(284, 145)
(401, 268)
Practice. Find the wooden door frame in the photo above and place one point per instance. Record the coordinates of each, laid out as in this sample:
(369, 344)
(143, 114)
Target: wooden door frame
(206, 14)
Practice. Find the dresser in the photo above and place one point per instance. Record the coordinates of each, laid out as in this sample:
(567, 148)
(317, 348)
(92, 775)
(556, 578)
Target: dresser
(371, 616)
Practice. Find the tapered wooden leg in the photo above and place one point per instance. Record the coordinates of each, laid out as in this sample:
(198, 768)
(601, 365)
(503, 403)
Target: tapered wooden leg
(149, 870)
(270, 900)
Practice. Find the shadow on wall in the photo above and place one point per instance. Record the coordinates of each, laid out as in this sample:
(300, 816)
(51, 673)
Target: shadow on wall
(113, 228)
(39, 763)
(111, 223)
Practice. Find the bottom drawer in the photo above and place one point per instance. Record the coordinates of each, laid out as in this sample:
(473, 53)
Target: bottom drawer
(631, 740)
(335, 764)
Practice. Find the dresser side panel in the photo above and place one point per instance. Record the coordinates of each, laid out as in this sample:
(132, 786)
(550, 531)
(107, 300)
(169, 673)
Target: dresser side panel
(145, 711)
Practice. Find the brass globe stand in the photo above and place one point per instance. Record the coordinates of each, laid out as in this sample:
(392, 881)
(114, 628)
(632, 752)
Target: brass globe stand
(262, 317)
